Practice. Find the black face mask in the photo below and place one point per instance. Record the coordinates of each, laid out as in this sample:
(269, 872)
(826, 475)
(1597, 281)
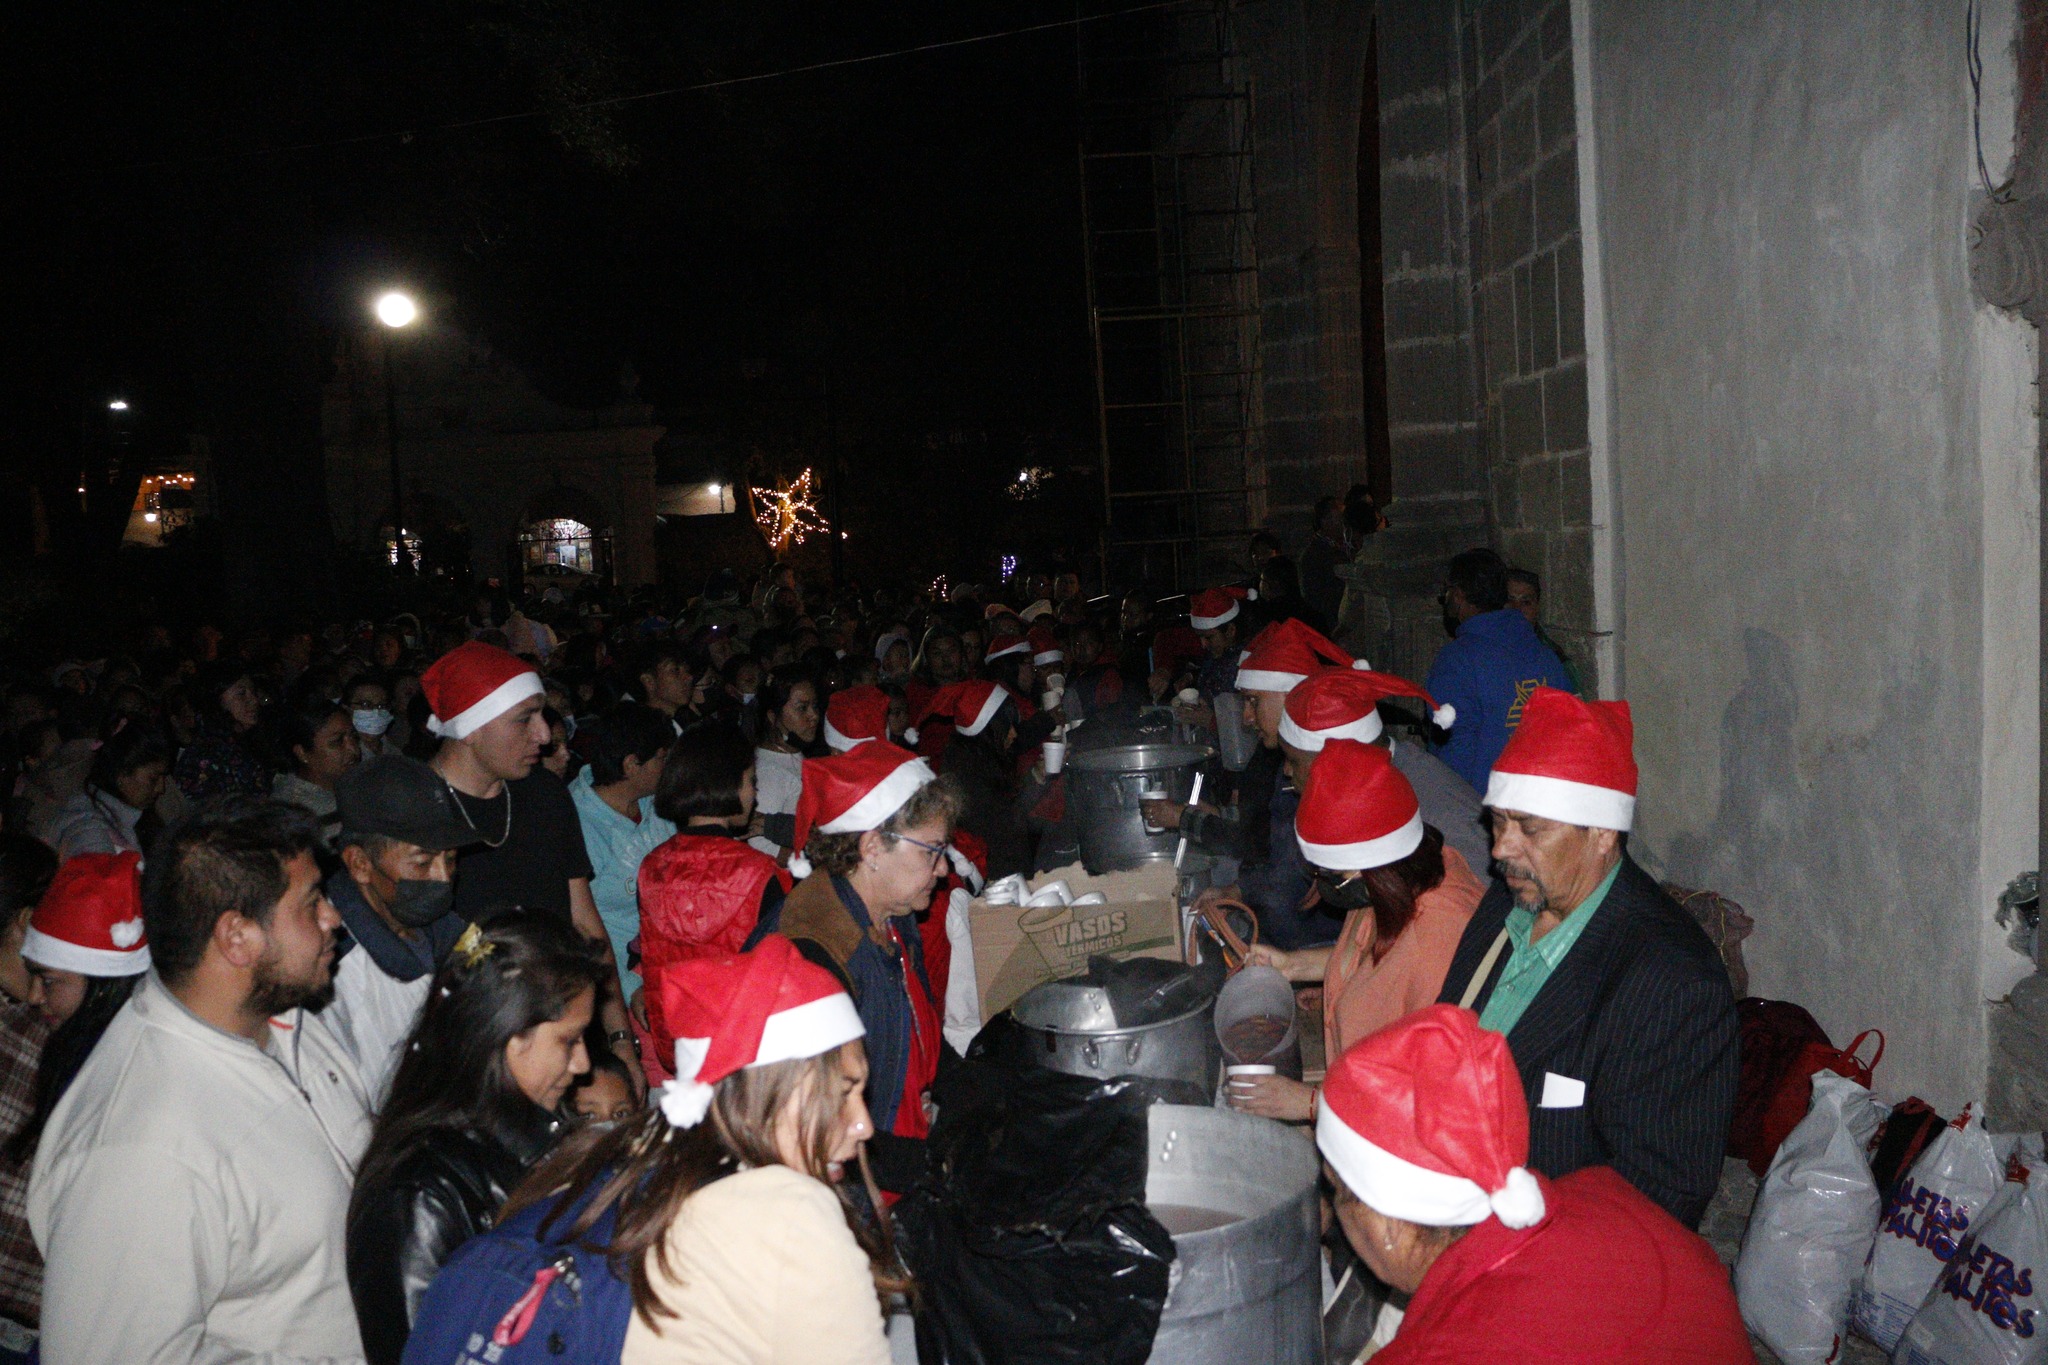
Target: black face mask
(1345, 895)
(416, 904)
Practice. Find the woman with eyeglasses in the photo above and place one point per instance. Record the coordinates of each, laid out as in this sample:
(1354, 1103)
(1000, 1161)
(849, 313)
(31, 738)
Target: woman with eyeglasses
(1405, 897)
(874, 824)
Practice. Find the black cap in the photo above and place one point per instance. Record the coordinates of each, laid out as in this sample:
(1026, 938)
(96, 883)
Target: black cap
(401, 798)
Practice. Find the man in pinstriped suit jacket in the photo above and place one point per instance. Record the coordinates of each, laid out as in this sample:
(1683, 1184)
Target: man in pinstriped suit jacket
(1614, 1002)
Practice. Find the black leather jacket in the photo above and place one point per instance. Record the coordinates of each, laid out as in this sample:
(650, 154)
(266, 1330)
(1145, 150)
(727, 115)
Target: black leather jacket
(401, 1230)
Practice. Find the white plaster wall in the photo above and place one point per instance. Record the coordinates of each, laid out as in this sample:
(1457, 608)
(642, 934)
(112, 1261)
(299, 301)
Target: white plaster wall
(1823, 480)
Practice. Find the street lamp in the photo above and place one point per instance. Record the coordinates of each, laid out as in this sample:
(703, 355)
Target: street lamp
(118, 405)
(395, 310)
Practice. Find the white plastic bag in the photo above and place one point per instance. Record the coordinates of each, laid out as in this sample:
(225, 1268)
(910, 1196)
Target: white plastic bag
(1927, 1217)
(1986, 1307)
(1812, 1227)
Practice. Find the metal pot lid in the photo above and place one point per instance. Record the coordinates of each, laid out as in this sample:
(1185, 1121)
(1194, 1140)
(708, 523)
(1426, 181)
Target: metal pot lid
(1116, 996)
(1138, 758)
(1075, 1005)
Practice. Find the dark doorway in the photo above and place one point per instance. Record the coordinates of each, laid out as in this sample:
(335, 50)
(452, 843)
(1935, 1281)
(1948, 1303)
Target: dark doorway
(1372, 298)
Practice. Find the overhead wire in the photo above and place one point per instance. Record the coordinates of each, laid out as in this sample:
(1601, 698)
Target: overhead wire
(1973, 62)
(616, 101)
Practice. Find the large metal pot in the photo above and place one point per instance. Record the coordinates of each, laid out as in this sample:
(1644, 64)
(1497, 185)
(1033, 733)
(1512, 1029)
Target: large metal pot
(1070, 1026)
(1104, 786)
(1248, 1292)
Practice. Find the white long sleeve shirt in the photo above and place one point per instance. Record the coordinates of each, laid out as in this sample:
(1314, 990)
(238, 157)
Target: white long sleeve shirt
(190, 1192)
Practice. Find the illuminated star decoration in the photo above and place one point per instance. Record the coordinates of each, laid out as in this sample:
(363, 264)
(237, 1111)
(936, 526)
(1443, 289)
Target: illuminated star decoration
(786, 514)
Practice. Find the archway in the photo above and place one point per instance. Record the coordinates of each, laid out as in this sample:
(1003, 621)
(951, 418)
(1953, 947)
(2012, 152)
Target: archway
(565, 535)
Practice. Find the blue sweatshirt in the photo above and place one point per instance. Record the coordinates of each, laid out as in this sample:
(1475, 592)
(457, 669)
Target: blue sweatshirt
(1487, 673)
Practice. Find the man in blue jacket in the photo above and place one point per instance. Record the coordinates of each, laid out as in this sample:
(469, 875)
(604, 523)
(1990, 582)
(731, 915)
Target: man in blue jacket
(1492, 664)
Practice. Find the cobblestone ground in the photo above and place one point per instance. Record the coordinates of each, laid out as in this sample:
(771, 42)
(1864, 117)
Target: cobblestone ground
(1726, 1218)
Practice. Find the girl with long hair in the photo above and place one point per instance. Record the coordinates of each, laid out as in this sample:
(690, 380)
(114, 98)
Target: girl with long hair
(228, 758)
(319, 735)
(723, 1200)
(115, 812)
(473, 1104)
(703, 890)
(792, 715)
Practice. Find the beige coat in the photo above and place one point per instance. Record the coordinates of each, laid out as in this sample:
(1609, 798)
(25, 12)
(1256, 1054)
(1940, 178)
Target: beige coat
(190, 1191)
(765, 1273)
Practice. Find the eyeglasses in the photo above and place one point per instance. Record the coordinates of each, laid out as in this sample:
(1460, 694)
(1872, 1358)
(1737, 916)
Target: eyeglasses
(937, 851)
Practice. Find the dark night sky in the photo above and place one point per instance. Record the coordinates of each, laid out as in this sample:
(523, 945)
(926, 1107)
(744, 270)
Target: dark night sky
(912, 225)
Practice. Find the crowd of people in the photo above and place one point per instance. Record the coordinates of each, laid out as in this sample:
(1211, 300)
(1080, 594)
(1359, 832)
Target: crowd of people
(330, 948)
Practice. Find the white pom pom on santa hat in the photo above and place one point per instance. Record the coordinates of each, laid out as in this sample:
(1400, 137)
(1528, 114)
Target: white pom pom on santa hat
(1338, 703)
(742, 1010)
(1426, 1121)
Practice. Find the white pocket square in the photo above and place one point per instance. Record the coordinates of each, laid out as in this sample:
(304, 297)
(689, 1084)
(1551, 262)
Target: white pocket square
(1561, 1092)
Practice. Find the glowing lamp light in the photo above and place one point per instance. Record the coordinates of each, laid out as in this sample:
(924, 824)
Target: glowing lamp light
(118, 405)
(396, 310)
(714, 490)
(149, 517)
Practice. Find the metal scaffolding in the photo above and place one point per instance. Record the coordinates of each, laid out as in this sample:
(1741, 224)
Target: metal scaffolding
(1173, 297)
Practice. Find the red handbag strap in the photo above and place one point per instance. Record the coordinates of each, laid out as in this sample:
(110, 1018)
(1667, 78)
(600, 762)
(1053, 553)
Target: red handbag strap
(1862, 1067)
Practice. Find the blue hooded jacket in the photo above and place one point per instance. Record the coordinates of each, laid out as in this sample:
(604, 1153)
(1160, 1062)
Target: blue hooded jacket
(1487, 673)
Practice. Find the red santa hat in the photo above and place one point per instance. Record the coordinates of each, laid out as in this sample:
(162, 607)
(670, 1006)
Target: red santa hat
(1045, 647)
(472, 685)
(1343, 703)
(747, 1009)
(970, 705)
(1286, 652)
(853, 792)
(1357, 811)
(856, 715)
(90, 920)
(1569, 760)
(1213, 607)
(1425, 1120)
(1004, 645)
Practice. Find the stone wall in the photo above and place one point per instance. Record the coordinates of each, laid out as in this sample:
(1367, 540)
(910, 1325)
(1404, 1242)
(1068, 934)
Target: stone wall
(1529, 302)
(1439, 505)
(1306, 62)
(1306, 59)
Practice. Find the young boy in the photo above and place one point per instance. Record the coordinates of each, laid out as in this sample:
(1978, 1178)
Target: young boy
(605, 1093)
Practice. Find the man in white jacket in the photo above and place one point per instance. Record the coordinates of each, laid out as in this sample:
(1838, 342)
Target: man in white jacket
(191, 1189)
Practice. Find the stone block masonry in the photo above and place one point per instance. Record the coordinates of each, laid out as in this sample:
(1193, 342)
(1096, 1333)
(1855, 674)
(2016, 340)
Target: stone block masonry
(1527, 301)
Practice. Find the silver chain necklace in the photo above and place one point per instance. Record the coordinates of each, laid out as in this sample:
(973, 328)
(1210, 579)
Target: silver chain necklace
(464, 808)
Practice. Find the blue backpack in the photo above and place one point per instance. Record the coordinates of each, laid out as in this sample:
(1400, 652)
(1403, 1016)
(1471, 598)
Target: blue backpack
(513, 1297)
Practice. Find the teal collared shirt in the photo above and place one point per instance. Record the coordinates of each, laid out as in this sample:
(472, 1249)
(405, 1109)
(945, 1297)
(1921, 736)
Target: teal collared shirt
(1530, 965)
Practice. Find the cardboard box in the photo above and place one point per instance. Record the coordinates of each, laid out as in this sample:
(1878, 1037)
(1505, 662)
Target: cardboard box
(1016, 947)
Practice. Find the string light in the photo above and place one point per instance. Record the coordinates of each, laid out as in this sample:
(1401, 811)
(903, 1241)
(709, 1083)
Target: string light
(786, 513)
